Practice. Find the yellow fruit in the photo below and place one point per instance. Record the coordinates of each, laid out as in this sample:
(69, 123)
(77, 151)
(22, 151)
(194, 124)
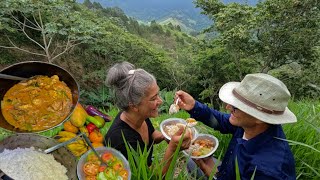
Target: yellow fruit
(63, 139)
(67, 134)
(76, 146)
(68, 126)
(84, 130)
(79, 153)
(77, 149)
(82, 142)
(79, 115)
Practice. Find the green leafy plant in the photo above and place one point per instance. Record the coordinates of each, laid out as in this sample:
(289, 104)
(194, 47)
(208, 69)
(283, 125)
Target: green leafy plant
(168, 98)
(99, 97)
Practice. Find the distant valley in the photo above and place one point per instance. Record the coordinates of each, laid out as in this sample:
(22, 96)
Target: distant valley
(177, 12)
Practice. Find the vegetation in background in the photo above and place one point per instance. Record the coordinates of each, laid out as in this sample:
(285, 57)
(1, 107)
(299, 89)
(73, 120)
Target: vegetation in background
(279, 37)
(275, 36)
(53, 27)
(303, 138)
(248, 39)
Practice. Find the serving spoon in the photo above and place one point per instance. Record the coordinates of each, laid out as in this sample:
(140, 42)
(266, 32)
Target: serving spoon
(57, 146)
(93, 149)
(6, 76)
(85, 137)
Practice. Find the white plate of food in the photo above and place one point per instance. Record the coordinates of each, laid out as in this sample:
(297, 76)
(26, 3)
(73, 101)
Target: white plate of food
(204, 145)
(170, 126)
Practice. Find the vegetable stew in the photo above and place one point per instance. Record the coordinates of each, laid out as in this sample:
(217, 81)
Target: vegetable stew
(37, 104)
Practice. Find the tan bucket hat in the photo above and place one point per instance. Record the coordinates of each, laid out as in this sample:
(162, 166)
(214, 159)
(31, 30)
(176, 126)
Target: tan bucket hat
(261, 96)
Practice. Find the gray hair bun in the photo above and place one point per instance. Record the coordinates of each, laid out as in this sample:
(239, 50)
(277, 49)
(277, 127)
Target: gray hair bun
(128, 83)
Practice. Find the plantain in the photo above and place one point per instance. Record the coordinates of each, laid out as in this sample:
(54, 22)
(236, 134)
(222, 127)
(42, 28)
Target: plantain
(75, 146)
(83, 129)
(63, 139)
(79, 152)
(66, 134)
(77, 149)
(81, 142)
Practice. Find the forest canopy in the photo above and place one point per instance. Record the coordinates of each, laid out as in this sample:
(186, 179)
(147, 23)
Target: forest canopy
(279, 37)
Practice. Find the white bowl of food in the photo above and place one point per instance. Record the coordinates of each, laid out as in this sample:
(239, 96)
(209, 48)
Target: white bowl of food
(170, 126)
(89, 166)
(204, 145)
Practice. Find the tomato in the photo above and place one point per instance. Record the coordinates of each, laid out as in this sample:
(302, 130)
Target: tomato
(107, 157)
(102, 168)
(91, 168)
(117, 166)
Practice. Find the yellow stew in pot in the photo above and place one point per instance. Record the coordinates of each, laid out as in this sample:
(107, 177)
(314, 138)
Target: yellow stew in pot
(37, 104)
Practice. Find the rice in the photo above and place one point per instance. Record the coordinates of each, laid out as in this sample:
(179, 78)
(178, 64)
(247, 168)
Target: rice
(172, 129)
(31, 164)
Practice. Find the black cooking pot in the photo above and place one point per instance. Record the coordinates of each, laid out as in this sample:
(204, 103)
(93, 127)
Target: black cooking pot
(28, 69)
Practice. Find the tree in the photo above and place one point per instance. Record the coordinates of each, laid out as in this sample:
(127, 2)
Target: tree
(55, 26)
(155, 27)
(235, 25)
(274, 33)
(178, 28)
(170, 25)
(97, 5)
(88, 4)
(287, 32)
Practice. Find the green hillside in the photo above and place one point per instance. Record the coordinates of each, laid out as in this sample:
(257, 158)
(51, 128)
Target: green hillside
(277, 37)
(88, 38)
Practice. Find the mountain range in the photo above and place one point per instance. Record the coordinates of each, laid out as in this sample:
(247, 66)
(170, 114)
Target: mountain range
(178, 12)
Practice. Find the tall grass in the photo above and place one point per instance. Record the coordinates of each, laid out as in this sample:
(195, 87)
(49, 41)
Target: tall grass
(303, 137)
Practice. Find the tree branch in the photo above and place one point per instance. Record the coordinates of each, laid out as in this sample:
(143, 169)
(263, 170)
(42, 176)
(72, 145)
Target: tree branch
(34, 25)
(44, 39)
(16, 47)
(50, 40)
(66, 49)
(35, 20)
(18, 22)
(25, 33)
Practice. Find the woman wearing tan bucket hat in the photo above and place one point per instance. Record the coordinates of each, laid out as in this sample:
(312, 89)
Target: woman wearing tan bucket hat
(258, 106)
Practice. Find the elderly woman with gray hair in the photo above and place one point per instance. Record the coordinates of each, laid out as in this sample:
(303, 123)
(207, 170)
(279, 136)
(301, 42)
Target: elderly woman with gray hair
(137, 95)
